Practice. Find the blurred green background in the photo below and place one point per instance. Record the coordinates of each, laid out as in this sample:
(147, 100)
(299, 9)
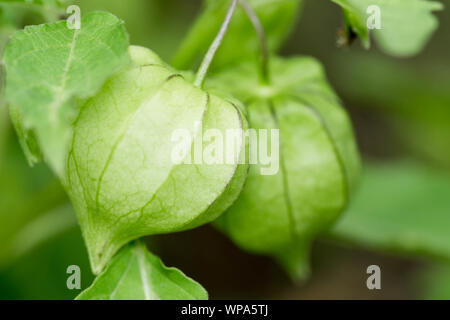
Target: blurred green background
(399, 220)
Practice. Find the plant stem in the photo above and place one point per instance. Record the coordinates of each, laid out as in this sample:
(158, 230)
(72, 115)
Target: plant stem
(265, 76)
(206, 63)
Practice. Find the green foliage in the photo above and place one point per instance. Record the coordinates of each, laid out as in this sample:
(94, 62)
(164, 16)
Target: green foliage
(406, 25)
(50, 65)
(435, 283)
(157, 24)
(45, 7)
(15, 14)
(136, 274)
(319, 164)
(277, 18)
(3, 131)
(41, 273)
(401, 207)
(4, 125)
(38, 231)
(54, 3)
(43, 194)
(415, 103)
(121, 175)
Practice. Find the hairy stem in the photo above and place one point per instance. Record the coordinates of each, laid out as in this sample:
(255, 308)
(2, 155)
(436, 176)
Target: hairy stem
(206, 63)
(265, 76)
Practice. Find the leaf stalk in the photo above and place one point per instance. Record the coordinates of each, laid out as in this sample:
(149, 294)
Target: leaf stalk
(206, 63)
(257, 25)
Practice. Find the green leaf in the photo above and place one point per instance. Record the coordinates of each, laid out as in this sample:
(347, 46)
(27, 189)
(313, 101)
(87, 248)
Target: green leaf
(49, 66)
(280, 214)
(27, 138)
(401, 207)
(406, 25)
(241, 41)
(136, 274)
(121, 175)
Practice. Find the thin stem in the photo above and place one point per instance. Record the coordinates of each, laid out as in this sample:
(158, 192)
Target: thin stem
(206, 63)
(265, 76)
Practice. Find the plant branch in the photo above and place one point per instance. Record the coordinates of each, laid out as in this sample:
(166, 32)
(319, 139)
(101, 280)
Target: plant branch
(265, 76)
(206, 63)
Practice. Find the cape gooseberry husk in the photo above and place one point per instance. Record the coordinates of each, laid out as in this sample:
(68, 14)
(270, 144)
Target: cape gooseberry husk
(120, 173)
(279, 215)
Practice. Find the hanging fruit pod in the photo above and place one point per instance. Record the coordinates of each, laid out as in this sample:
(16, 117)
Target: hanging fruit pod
(121, 175)
(280, 214)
